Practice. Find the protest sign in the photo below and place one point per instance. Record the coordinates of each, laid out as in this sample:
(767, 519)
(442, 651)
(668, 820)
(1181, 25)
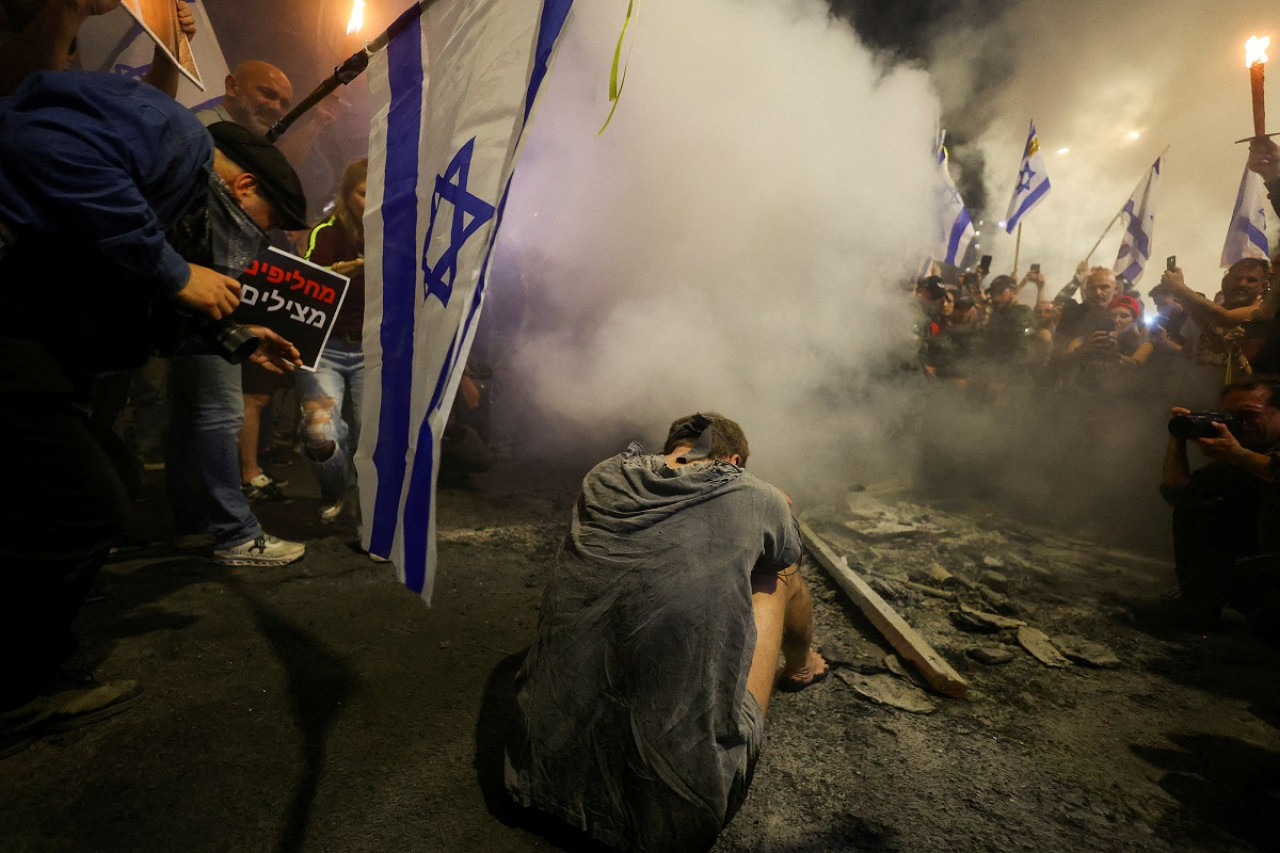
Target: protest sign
(295, 298)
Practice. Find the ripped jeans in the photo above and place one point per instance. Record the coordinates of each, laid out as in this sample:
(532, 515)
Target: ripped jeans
(338, 379)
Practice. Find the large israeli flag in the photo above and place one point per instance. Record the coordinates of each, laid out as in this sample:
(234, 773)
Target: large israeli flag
(955, 229)
(1135, 247)
(1247, 235)
(452, 94)
(1033, 182)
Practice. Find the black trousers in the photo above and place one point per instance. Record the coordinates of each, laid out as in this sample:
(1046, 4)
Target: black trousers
(63, 505)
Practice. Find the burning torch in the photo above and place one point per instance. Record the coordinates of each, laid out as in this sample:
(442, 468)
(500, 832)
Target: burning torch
(1255, 57)
(354, 65)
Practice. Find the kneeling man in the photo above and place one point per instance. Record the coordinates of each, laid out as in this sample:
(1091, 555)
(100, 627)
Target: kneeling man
(641, 704)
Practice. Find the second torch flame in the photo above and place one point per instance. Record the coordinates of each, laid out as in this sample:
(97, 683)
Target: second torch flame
(357, 18)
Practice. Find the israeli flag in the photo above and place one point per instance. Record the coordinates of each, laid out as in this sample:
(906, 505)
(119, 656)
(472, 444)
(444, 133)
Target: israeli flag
(1135, 247)
(452, 94)
(955, 229)
(1032, 185)
(1247, 236)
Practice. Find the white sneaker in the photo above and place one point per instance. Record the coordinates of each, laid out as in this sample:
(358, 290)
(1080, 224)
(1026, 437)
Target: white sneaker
(266, 550)
(329, 512)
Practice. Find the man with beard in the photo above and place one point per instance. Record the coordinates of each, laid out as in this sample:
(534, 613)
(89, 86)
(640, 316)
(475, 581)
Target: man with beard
(1226, 340)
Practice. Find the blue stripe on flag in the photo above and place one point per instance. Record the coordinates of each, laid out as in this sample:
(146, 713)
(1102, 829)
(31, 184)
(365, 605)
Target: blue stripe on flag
(1141, 244)
(417, 502)
(1027, 202)
(1256, 236)
(957, 232)
(399, 276)
(554, 13)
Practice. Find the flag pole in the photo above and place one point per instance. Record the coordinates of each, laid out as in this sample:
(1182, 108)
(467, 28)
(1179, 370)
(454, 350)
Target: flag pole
(1113, 221)
(349, 70)
(1017, 250)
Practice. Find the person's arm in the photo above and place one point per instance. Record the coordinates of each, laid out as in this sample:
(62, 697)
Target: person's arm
(1225, 448)
(1264, 158)
(45, 43)
(1211, 312)
(1140, 355)
(1176, 470)
(274, 353)
(163, 74)
(324, 247)
(1069, 289)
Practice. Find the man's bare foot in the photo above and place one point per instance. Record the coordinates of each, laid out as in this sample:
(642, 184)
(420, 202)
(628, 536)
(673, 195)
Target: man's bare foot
(814, 670)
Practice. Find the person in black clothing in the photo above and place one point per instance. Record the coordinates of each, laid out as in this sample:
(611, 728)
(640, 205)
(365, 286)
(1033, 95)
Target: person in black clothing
(1226, 535)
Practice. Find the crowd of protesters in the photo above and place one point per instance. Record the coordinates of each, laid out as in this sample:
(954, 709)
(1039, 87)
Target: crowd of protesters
(1170, 342)
(1089, 372)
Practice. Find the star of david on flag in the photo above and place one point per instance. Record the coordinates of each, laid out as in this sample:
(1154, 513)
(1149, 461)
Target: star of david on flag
(954, 231)
(453, 92)
(1033, 182)
(466, 214)
(1247, 234)
(1135, 247)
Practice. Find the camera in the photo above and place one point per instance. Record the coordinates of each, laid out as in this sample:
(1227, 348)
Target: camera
(233, 342)
(1200, 424)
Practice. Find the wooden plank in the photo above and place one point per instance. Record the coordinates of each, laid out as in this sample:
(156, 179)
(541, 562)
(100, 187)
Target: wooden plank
(904, 639)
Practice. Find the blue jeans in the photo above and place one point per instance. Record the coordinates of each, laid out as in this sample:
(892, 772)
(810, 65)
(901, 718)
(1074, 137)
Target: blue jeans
(338, 379)
(202, 461)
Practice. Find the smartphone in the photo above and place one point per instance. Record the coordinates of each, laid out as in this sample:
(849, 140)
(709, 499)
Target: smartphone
(985, 263)
(1035, 268)
(1171, 263)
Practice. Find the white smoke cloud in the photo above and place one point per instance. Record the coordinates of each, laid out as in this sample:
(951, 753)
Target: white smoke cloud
(732, 241)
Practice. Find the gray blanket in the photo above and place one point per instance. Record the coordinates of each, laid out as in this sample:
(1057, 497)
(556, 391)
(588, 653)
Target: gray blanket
(631, 699)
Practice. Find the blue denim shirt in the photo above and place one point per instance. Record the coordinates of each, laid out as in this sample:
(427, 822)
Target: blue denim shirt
(94, 161)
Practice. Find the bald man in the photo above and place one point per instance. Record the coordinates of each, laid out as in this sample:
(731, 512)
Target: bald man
(257, 95)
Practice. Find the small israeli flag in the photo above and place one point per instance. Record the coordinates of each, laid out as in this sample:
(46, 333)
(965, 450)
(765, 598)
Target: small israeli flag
(955, 229)
(1247, 235)
(1135, 248)
(1033, 182)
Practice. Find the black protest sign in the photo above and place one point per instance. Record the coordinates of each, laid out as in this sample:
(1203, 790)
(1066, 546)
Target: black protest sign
(294, 298)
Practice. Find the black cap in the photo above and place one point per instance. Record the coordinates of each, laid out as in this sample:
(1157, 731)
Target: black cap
(260, 158)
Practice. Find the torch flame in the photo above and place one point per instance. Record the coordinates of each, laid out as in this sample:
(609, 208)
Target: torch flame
(357, 18)
(1255, 50)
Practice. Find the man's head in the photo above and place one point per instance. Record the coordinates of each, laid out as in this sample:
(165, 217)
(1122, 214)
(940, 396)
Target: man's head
(260, 178)
(727, 440)
(258, 95)
(1002, 291)
(1046, 314)
(1162, 297)
(1244, 282)
(1099, 288)
(1256, 401)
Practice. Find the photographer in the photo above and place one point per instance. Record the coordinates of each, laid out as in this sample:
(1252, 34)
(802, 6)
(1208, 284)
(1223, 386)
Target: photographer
(252, 189)
(1225, 534)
